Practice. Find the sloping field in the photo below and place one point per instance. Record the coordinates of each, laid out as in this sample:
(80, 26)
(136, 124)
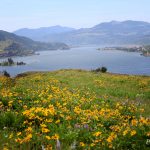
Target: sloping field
(74, 109)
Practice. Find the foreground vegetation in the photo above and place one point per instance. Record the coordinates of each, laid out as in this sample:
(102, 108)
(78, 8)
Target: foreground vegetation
(74, 109)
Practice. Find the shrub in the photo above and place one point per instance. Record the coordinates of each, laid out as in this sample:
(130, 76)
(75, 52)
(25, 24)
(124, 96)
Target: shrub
(5, 73)
(102, 69)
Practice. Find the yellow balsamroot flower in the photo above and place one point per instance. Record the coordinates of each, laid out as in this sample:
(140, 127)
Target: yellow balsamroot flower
(43, 125)
(55, 137)
(45, 130)
(68, 118)
(144, 121)
(10, 103)
(134, 122)
(148, 134)
(5, 148)
(18, 140)
(49, 147)
(48, 137)
(11, 135)
(77, 110)
(125, 132)
(57, 121)
(28, 130)
(27, 138)
(25, 106)
(133, 132)
(111, 137)
(19, 101)
(82, 144)
(49, 120)
(97, 133)
(92, 145)
(19, 133)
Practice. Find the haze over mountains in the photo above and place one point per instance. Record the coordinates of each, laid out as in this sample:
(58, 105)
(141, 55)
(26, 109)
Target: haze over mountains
(108, 33)
(14, 45)
(37, 34)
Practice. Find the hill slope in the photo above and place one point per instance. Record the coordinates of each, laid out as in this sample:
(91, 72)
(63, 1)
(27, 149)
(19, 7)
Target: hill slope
(37, 34)
(109, 33)
(74, 107)
(11, 45)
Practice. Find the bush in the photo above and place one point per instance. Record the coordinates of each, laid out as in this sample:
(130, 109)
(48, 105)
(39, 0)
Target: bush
(102, 69)
(6, 74)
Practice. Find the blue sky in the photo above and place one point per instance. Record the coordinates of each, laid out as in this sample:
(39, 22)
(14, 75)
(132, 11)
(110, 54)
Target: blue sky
(15, 14)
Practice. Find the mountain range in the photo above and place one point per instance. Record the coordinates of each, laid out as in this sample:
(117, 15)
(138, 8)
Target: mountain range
(108, 33)
(37, 34)
(12, 45)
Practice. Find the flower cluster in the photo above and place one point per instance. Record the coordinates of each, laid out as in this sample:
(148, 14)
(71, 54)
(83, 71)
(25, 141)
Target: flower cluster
(43, 112)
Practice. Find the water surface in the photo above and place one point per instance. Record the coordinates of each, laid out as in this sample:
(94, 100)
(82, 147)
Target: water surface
(83, 58)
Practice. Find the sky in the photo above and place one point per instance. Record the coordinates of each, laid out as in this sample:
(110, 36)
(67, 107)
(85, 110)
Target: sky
(15, 14)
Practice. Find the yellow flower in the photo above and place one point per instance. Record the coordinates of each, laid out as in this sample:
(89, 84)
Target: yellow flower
(125, 132)
(19, 133)
(5, 148)
(28, 130)
(43, 125)
(97, 133)
(134, 122)
(82, 144)
(55, 137)
(92, 145)
(48, 137)
(11, 135)
(148, 134)
(27, 138)
(57, 121)
(18, 140)
(111, 137)
(45, 130)
(133, 132)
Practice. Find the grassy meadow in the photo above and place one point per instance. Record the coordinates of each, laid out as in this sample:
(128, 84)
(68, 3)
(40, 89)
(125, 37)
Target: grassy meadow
(74, 110)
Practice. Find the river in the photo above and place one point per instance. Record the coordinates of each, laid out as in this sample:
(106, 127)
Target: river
(83, 58)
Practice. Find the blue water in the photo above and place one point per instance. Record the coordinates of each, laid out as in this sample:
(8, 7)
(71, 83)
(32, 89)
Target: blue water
(83, 58)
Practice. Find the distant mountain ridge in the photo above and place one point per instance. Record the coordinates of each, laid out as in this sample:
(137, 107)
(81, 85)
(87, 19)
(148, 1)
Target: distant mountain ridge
(36, 34)
(108, 33)
(12, 45)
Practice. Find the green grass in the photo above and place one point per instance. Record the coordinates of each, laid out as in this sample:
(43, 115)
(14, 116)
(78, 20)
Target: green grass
(114, 86)
(82, 96)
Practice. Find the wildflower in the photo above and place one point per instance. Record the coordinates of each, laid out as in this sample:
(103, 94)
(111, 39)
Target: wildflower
(97, 133)
(92, 145)
(48, 137)
(11, 135)
(57, 121)
(45, 130)
(125, 132)
(55, 137)
(133, 132)
(82, 144)
(27, 138)
(28, 130)
(134, 122)
(19, 133)
(111, 137)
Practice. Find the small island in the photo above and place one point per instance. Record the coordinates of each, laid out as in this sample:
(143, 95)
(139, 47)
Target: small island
(144, 50)
(10, 62)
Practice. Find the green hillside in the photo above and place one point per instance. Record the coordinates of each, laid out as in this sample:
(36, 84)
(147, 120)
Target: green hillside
(74, 109)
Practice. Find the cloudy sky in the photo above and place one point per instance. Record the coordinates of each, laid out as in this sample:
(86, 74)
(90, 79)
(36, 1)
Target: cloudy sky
(15, 14)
